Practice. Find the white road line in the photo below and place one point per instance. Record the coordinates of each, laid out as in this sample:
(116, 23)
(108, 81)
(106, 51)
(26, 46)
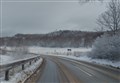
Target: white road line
(80, 68)
(84, 71)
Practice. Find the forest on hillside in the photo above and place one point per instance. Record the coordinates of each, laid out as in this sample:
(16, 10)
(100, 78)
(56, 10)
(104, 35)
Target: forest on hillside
(62, 38)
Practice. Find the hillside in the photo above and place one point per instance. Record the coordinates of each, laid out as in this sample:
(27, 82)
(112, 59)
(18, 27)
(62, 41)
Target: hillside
(64, 38)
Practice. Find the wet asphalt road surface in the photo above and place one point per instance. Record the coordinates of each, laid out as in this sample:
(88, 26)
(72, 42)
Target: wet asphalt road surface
(64, 70)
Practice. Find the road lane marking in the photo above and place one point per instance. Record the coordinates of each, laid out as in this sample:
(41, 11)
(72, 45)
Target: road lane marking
(104, 72)
(84, 71)
(70, 76)
(79, 68)
(96, 69)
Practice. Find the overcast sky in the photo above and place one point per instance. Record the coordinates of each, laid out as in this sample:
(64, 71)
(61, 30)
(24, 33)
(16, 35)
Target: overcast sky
(43, 17)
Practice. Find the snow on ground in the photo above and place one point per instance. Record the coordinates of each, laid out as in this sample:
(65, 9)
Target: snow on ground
(82, 52)
(10, 58)
(7, 48)
(46, 50)
(23, 74)
(107, 62)
(81, 55)
(98, 61)
(5, 58)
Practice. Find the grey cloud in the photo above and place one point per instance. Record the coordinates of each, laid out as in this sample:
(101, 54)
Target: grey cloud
(43, 17)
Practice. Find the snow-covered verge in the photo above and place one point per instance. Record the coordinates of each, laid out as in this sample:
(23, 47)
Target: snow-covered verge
(48, 50)
(98, 61)
(5, 58)
(6, 48)
(21, 76)
(76, 53)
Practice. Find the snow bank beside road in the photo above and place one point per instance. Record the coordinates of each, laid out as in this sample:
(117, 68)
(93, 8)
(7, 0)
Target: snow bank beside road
(107, 62)
(98, 61)
(10, 58)
(5, 58)
(46, 50)
(83, 52)
(21, 76)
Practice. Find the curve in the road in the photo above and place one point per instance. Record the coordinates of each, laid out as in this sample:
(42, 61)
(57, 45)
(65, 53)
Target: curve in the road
(61, 70)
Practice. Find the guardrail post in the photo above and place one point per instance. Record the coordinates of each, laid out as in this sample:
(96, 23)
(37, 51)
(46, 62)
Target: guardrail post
(35, 60)
(30, 63)
(7, 75)
(23, 67)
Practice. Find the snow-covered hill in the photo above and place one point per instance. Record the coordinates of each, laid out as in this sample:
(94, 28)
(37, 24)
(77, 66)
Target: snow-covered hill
(65, 38)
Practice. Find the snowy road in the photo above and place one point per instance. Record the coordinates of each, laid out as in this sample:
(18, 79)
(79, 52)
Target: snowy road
(62, 70)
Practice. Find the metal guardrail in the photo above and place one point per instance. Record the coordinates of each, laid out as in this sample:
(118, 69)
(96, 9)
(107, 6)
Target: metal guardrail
(7, 67)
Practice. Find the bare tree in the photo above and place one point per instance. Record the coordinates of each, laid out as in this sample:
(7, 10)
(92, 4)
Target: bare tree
(110, 19)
